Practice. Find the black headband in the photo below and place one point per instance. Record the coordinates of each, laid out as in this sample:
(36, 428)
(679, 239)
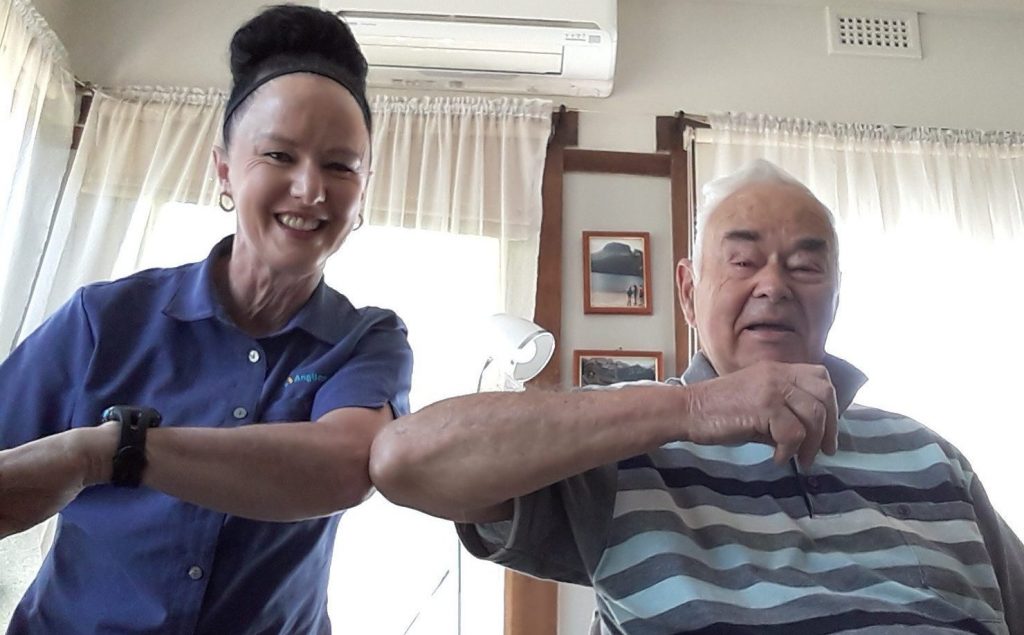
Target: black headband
(286, 65)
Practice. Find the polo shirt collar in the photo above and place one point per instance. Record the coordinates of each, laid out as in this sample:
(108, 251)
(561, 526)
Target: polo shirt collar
(195, 298)
(324, 315)
(846, 378)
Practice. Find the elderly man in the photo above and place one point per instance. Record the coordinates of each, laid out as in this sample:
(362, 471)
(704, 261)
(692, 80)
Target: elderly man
(749, 496)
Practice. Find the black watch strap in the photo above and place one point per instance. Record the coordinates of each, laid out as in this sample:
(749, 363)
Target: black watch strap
(130, 459)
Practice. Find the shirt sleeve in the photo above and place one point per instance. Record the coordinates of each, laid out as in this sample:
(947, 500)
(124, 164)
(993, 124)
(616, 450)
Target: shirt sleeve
(1007, 555)
(557, 533)
(41, 380)
(378, 372)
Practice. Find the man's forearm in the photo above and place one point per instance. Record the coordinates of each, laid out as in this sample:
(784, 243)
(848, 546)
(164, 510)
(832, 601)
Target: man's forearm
(465, 458)
(459, 457)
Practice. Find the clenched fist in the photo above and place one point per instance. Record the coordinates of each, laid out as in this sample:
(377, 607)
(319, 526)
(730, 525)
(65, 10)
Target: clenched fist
(790, 406)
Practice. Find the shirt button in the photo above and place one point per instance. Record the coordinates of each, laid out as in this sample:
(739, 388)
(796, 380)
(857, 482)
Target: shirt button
(195, 572)
(239, 413)
(254, 356)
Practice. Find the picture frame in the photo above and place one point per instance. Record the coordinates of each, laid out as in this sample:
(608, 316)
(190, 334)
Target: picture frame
(617, 272)
(603, 367)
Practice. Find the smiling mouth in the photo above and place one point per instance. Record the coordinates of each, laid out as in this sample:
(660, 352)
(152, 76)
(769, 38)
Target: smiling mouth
(767, 327)
(300, 223)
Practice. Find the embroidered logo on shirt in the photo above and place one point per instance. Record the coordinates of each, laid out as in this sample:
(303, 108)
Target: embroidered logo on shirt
(305, 378)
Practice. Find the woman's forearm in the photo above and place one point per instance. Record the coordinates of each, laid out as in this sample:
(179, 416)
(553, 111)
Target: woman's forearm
(275, 472)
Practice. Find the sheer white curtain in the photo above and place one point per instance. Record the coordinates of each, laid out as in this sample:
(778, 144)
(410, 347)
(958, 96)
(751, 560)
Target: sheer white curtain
(465, 165)
(931, 230)
(141, 148)
(37, 115)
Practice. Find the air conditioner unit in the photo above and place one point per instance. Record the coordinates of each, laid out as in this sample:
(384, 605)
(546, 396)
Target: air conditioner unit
(545, 47)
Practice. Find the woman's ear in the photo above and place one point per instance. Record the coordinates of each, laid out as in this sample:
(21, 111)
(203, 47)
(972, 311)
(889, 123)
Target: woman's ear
(220, 162)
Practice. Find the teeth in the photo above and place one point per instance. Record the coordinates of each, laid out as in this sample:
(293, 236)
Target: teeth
(298, 222)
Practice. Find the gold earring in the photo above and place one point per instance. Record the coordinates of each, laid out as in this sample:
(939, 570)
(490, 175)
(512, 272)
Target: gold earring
(229, 206)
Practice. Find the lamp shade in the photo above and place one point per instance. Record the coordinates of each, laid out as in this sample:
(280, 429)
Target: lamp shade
(524, 345)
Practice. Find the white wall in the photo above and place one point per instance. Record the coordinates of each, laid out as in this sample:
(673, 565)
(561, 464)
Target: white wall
(58, 14)
(712, 55)
(693, 55)
(155, 42)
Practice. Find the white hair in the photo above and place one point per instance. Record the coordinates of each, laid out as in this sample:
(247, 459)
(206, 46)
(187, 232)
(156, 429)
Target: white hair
(717, 190)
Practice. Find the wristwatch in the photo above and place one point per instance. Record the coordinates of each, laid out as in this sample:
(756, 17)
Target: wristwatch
(130, 459)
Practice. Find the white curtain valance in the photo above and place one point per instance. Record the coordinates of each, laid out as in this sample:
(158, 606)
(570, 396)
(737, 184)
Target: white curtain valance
(846, 133)
(37, 115)
(22, 18)
(469, 165)
(964, 182)
(539, 109)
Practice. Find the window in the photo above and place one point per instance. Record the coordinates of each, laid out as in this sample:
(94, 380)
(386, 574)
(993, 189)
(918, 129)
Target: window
(939, 340)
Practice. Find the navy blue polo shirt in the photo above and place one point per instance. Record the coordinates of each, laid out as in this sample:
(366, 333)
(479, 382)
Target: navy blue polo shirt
(139, 561)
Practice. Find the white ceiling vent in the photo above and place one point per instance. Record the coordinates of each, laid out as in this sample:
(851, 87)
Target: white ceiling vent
(873, 32)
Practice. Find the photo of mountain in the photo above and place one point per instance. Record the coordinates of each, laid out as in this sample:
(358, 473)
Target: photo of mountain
(616, 270)
(603, 368)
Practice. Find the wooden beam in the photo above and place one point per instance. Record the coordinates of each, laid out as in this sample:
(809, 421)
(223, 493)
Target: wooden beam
(547, 310)
(565, 127)
(531, 605)
(681, 228)
(635, 163)
(667, 133)
(536, 602)
(85, 103)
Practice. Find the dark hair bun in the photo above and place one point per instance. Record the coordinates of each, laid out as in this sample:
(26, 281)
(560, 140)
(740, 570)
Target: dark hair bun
(294, 31)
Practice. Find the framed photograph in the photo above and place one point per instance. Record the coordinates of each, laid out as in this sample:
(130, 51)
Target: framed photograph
(617, 272)
(601, 368)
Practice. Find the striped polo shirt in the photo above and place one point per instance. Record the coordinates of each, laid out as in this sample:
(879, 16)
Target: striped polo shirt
(689, 538)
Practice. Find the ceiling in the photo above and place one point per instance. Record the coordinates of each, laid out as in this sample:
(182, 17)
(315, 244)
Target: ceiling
(963, 7)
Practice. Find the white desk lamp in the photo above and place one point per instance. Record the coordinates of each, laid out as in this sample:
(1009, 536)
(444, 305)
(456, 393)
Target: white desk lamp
(518, 347)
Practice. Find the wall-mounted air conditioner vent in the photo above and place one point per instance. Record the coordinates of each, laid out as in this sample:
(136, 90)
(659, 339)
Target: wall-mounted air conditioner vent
(873, 32)
(547, 47)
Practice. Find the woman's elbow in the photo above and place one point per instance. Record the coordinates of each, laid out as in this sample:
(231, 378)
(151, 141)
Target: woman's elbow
(350, 484)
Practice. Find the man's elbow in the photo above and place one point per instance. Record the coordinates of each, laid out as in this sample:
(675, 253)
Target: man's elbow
(390, 469)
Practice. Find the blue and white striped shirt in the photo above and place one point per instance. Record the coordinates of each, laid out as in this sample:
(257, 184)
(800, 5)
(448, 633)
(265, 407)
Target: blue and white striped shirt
(893, 531)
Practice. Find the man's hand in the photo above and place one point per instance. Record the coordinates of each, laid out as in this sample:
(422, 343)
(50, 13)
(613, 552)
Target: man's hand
(790, 406)
(40, 478)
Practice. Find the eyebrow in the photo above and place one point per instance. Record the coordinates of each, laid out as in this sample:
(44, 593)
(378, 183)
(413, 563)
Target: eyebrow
(744, 235)
(816, 245)
(345, 151)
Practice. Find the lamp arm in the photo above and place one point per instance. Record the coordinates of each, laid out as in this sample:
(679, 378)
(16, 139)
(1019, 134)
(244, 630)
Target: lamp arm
(480, 380)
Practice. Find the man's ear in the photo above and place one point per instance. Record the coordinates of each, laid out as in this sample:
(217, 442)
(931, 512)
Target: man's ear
(685, 283)
(220, 162)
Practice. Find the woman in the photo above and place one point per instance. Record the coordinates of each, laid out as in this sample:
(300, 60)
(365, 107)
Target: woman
(216, 539)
